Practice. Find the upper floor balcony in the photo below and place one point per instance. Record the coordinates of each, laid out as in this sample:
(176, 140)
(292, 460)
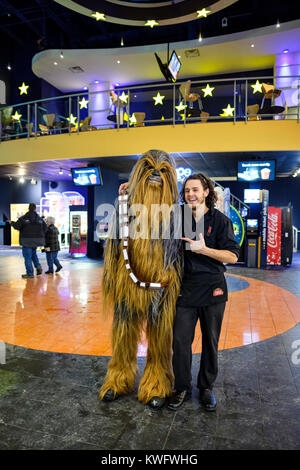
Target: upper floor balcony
(219, 115)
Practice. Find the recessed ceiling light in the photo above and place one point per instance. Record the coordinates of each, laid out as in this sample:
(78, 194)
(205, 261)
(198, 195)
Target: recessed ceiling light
(55, 63)
(22, 179)
(8, 67)
(278, 24)
(252, 45)
(61, 55)
(118, 61)
(60, 171)
(117, 84)
(285, 51)
(96, 81)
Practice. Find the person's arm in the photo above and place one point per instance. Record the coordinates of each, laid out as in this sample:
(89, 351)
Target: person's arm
(123, 187)
(199, 246)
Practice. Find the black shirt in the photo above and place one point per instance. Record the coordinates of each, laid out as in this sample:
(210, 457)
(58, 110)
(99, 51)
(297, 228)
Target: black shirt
(203, 277)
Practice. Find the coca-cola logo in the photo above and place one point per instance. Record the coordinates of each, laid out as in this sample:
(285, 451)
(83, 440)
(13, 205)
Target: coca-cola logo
(273, 230)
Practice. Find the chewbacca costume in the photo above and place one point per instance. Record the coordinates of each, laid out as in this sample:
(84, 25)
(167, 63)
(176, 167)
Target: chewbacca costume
(141, 279)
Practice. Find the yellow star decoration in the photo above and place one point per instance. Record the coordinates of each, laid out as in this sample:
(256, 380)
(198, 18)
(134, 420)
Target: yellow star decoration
(72, 119)
(186, 115)
(99, 16)
(151, 23)
(208, 90)
(202, 13)
(257, 87)
(132, 120)
(227, 111)
(83, 103)
(17, 116)
(181, 106)
(123, 97)
(158, 99)
(23, 89)
(162, 118)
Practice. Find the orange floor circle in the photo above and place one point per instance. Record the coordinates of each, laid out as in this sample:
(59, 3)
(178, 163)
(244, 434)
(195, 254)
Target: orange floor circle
(63, 313)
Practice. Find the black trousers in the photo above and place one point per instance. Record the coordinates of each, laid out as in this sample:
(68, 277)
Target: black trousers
(183, 335)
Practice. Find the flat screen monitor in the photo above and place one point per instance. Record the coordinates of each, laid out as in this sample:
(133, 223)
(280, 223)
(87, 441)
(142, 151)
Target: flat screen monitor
(252, 223)
(256, 170)
(174, 66)
(89, 176)
(252, 196)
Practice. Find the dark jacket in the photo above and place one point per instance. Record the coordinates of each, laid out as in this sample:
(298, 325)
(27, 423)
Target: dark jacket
(51, 238)
(32, 229)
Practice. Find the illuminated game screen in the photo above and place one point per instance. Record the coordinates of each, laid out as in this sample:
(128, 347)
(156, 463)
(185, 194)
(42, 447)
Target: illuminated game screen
(252, 196)
(256, 171)
(252, 223)
(174, 66)
(86, 176)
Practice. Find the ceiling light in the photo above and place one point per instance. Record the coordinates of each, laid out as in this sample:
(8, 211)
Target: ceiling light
(61, 55)
(200, 37)
(224, 22)
(118, 61)
(285, 51)
(10, 178)
(33, 181)
(278, 24)
(60, 171)
(252, 45)
(85, 88)
(122, 42)
(96, 81)
(8, 67)
(55, 63)
(22, 179)
(117, 84)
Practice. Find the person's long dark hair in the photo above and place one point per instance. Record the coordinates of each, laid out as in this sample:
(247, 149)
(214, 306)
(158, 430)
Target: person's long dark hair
(206, 182)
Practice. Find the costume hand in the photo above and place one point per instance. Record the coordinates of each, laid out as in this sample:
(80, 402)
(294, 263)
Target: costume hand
(197, 246)
(123, 187)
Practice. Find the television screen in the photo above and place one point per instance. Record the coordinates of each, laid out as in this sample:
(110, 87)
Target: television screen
(252, 195)
(174, 66)
(256, 170)
(252, 223)
(86, 176)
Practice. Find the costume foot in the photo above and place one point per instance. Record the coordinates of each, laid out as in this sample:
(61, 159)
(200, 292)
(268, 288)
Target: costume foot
(208, 400)
(110, 395)
(156, 403)
(177, 400)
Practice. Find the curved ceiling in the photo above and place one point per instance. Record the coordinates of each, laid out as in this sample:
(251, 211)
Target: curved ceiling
(138, 13)
(136, 65)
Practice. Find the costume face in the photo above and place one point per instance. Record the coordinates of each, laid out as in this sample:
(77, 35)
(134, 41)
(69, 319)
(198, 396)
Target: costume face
(154, 179)
(194, 193)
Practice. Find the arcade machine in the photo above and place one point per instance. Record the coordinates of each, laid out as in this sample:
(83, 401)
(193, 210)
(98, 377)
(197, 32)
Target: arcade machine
(78, 231)
(280, 236)
(256, 227)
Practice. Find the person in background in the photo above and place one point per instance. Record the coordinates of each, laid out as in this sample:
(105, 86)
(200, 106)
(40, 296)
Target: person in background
(32, 235)
(52, 246)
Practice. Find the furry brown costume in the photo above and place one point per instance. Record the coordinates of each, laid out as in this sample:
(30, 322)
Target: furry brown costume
(152, 181)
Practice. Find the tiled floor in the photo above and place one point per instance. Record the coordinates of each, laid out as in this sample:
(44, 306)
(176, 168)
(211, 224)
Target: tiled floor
(55, 348)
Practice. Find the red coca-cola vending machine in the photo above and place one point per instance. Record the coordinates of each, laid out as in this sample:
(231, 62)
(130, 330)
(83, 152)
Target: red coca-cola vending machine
(280, 236)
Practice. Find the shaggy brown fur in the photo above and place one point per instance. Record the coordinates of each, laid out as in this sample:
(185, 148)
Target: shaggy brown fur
(135, 306)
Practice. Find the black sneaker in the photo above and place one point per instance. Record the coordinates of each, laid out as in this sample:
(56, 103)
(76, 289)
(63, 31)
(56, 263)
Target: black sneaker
(58, 269)
(27, 276)
(39, 271)
(208, 399)
(177, 400)
(48, 272)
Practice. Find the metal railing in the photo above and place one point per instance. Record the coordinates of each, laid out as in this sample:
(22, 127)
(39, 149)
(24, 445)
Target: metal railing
(232, 96)
(295, 239)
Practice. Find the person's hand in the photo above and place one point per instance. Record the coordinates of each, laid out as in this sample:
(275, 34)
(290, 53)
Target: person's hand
(8, 221)
(197, 246)
(123, 187)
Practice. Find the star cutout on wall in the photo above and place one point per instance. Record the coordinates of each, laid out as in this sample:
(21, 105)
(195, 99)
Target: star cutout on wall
(72, 119)
(16, 116)
(83, 103)
(123, 97)
(202, 13)
(181, 106)
(227, 111)
(99, 16)
(132, 120)
(23, 89)
(208, 90)
(158, 99)
(257, 87)
(151, 23)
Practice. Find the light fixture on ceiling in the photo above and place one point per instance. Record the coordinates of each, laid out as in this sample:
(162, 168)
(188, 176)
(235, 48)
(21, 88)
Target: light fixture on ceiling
(60, 172)
(200, 38)
(96, 81)
(22, 180)
(278, 24)
(61, 54)
(10, 178)
(252, 45)
(85, 88)
(55, 63)
(122, 42)
(33, 181)
(8, 67)
(224, 22)
(296, 172)
(285, 51)
(118, 61)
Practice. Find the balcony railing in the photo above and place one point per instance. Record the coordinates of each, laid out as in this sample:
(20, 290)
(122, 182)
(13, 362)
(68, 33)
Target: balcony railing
(214, 100)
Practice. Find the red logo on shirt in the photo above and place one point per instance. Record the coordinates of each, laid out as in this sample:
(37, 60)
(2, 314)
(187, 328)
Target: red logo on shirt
(218, 291)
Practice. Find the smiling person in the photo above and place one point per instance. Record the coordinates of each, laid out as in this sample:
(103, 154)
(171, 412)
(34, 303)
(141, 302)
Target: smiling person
(203, 293)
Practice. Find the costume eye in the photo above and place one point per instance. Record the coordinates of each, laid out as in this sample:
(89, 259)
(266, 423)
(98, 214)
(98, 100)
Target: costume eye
(163, 170)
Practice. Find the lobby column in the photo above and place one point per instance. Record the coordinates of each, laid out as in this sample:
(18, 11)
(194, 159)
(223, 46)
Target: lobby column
(99, 104)
(288, 64)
